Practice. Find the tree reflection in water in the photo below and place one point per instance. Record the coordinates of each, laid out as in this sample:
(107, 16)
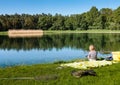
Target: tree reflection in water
(106, 42)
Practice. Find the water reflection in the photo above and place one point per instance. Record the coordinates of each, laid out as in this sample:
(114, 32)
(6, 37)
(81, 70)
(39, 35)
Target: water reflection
(13, 57)
(107, 42)
(50, 48)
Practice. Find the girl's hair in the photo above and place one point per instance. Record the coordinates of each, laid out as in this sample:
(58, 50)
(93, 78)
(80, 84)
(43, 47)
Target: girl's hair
(91, 47)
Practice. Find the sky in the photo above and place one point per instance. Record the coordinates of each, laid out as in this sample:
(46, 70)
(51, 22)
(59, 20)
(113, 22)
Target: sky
(64, 7)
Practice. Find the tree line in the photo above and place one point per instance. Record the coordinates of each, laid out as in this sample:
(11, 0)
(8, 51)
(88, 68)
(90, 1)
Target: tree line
(104, 18)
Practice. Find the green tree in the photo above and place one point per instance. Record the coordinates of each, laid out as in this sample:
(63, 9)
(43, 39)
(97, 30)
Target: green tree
(1, 28)
(29, 23)
(106, 18)
(68, 23)
(83, 22)
(45, 21)
(58, 22)
(91, 17)
(117, 18)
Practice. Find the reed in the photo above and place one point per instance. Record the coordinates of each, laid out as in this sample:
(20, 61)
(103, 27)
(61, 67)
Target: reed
(25, 33)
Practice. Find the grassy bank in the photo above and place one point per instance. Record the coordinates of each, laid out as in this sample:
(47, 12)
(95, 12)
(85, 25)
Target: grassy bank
(73, 31)
(108, 75)
(4, 33)
(82, 31)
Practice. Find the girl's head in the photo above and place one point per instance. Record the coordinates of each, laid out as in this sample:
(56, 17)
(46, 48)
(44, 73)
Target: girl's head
(91, 47)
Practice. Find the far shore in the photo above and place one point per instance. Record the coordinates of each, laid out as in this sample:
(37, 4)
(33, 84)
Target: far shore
(71, 31)
(82, 31)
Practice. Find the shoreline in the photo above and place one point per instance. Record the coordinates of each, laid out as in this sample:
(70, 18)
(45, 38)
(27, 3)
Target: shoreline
(82, 31)
(16, 75)
(71, 31)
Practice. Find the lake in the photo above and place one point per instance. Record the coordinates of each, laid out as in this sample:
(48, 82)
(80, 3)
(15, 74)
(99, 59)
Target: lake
(50, 48)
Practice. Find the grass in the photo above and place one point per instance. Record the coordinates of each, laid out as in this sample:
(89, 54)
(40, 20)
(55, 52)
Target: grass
(81, 31)
(4, 33)
(72, 31)
(108, 75)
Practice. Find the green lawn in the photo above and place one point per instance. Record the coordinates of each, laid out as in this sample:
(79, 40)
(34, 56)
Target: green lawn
(108, 75)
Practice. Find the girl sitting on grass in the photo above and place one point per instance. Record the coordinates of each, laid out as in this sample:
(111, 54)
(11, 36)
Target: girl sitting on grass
(92, 55)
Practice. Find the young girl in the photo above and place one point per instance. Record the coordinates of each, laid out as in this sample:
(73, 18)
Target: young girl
(92, 55)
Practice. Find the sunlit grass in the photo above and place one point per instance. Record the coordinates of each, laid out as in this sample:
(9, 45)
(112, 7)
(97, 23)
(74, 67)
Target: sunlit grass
(73, 31)
(4, 33)
(81, 31)
(108, 75)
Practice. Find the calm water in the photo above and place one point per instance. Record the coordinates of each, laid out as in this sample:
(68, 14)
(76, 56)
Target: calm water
(56, 47)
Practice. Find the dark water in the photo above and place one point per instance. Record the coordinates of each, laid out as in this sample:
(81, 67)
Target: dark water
(56, 47)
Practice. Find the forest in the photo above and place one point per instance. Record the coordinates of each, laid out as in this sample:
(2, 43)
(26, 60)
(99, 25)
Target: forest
(104, 18)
